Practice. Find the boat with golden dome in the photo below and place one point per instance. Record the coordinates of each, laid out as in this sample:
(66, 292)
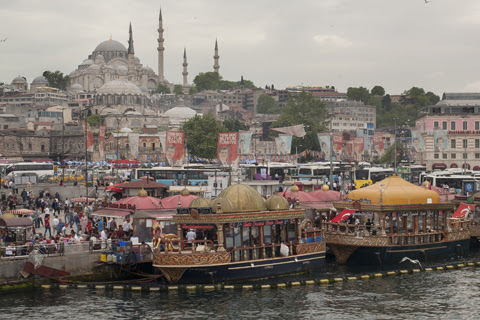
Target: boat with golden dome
(396, 220)
(239, 235)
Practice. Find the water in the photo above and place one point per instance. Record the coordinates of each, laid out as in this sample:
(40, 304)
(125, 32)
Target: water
(425, 295)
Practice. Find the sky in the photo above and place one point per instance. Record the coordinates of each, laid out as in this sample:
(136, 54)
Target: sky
(342, 43)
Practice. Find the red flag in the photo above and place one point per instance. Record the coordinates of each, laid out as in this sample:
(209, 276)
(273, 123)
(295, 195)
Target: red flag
(343, 215)
(462, 210)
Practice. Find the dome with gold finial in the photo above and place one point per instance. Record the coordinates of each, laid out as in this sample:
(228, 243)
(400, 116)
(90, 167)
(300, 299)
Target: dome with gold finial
(325, 187)
(244, 198)
(184, 192)
(226, 206)
(294, 188)
(200, 202)
(276, 202)
(142, 193)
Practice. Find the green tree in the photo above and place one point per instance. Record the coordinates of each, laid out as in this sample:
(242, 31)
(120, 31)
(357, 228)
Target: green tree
(207, 81)
(163, 89)
(94, 120)
(358, 94)
(178, 89)
(386, 102)
(266, 104)
(303, 109)
(201, 135)
(57, 80)
(234, 125)
(192, 90)
(377, 91)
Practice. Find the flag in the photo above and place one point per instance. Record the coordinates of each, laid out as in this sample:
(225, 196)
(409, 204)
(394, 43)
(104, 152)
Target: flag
(297, 131)
(343, 215)
(462, 210)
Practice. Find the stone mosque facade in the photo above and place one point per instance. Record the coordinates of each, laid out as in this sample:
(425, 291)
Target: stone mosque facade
(111, 60)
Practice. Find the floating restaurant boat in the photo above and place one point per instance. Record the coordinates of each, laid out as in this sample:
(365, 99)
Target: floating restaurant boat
(408, 221)
(239, 236)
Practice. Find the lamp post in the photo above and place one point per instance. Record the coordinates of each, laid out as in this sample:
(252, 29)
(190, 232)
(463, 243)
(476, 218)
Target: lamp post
(465, 144)
(395, 142)
(87, 108)
(331, 148)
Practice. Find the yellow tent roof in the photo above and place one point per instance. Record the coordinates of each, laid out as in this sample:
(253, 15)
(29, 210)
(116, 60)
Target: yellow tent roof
(394, 190)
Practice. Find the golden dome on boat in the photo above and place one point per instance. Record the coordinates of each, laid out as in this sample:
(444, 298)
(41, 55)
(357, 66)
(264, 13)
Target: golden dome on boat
(394, 190)
(294, 188)
(276, 202)
(226, 206)
(325, 187)
(200, 202)
(142, 193)
(244, 198)
(185, 192)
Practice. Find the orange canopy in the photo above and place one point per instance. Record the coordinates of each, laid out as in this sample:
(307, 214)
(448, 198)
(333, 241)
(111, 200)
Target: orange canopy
(394, 190)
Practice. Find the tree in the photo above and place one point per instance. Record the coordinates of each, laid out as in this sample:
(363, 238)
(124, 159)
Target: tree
(386, 102)
(162, 89)
(94, 120)
(377, 91)
(201, 135)
(178, 89)
(57, 80)
(358, 94)
(192, 90)
(266, 104)
(234, 125)
(303, 109)
(207, 81)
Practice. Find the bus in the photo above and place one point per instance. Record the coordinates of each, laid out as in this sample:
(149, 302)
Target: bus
(368, 176)
(194, 175)
(452, 180)
(318, 171)
(411, 173)
(268, 171)
(42, 170)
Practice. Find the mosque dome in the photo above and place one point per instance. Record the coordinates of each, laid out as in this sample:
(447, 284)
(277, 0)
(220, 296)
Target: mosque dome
(110, 67)
(40, 80)
(244, 198)
(200, 202)
(87, 62)
(225, 205)
(19, 79)
(122, 69)
(126, 130)
(110, 46)
(276, 202)
(93, 67)
(181, 112)
(136, 59)
(150, 70)
(149, 112)
(142, 88)
(122, 86)
(76, 88)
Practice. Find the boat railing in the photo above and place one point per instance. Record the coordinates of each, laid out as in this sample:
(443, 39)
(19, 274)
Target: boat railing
(353, 229)
(193, 246)
(9, 252)
(417, 238)
(261, 252)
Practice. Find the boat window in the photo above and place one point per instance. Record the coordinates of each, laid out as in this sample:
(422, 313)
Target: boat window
(246, 237)
(267, 235)
(228, 237)
(255, 236)
(237, 237)
(291, 232)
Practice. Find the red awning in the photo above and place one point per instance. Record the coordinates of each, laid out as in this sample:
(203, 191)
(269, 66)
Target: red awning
(465, 166)
(476, 168)
(453, 165)
(441, 166)
(462, 210)
(343, 215)
(112, 212)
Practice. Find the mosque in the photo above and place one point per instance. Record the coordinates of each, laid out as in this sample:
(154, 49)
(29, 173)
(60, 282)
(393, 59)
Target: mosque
(111, 60)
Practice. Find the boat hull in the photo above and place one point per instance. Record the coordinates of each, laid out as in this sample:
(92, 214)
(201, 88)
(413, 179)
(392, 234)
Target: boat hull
(374, 255)
(230, 272)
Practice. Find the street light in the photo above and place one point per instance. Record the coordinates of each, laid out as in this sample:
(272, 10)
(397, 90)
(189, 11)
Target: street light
(87, 108)
(117, 118)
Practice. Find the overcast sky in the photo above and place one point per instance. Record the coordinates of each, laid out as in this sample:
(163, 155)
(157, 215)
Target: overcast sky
(393, 43)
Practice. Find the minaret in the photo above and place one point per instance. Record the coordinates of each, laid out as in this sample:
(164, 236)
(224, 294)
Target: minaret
(160, 49)
(185, 64)
(130, 41)
(216, 66)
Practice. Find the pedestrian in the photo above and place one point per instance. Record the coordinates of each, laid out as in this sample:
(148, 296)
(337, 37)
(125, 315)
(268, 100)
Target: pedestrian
(191, 235)
(76, 218)
(61, 227)
(83, 223)
(47, 225)
(55, 223)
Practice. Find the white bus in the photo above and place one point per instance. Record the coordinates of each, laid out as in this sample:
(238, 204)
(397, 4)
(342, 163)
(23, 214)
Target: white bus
(30, 168)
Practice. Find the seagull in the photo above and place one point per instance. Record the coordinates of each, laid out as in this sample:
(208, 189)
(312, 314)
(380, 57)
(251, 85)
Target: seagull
(3, 40)
(412, 261)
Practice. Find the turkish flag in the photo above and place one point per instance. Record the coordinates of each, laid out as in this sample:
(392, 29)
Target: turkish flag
(343, 215)
(462, 210)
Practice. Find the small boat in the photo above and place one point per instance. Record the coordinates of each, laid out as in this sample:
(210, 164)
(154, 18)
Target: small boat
(399, 220)
(239, 236)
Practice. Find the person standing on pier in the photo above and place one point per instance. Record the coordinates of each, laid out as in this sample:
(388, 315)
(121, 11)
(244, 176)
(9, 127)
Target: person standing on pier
(47, 225)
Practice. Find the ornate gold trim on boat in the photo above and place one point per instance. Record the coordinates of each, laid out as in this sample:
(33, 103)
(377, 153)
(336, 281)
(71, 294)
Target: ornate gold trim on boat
(312, 247)
(178, 259)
